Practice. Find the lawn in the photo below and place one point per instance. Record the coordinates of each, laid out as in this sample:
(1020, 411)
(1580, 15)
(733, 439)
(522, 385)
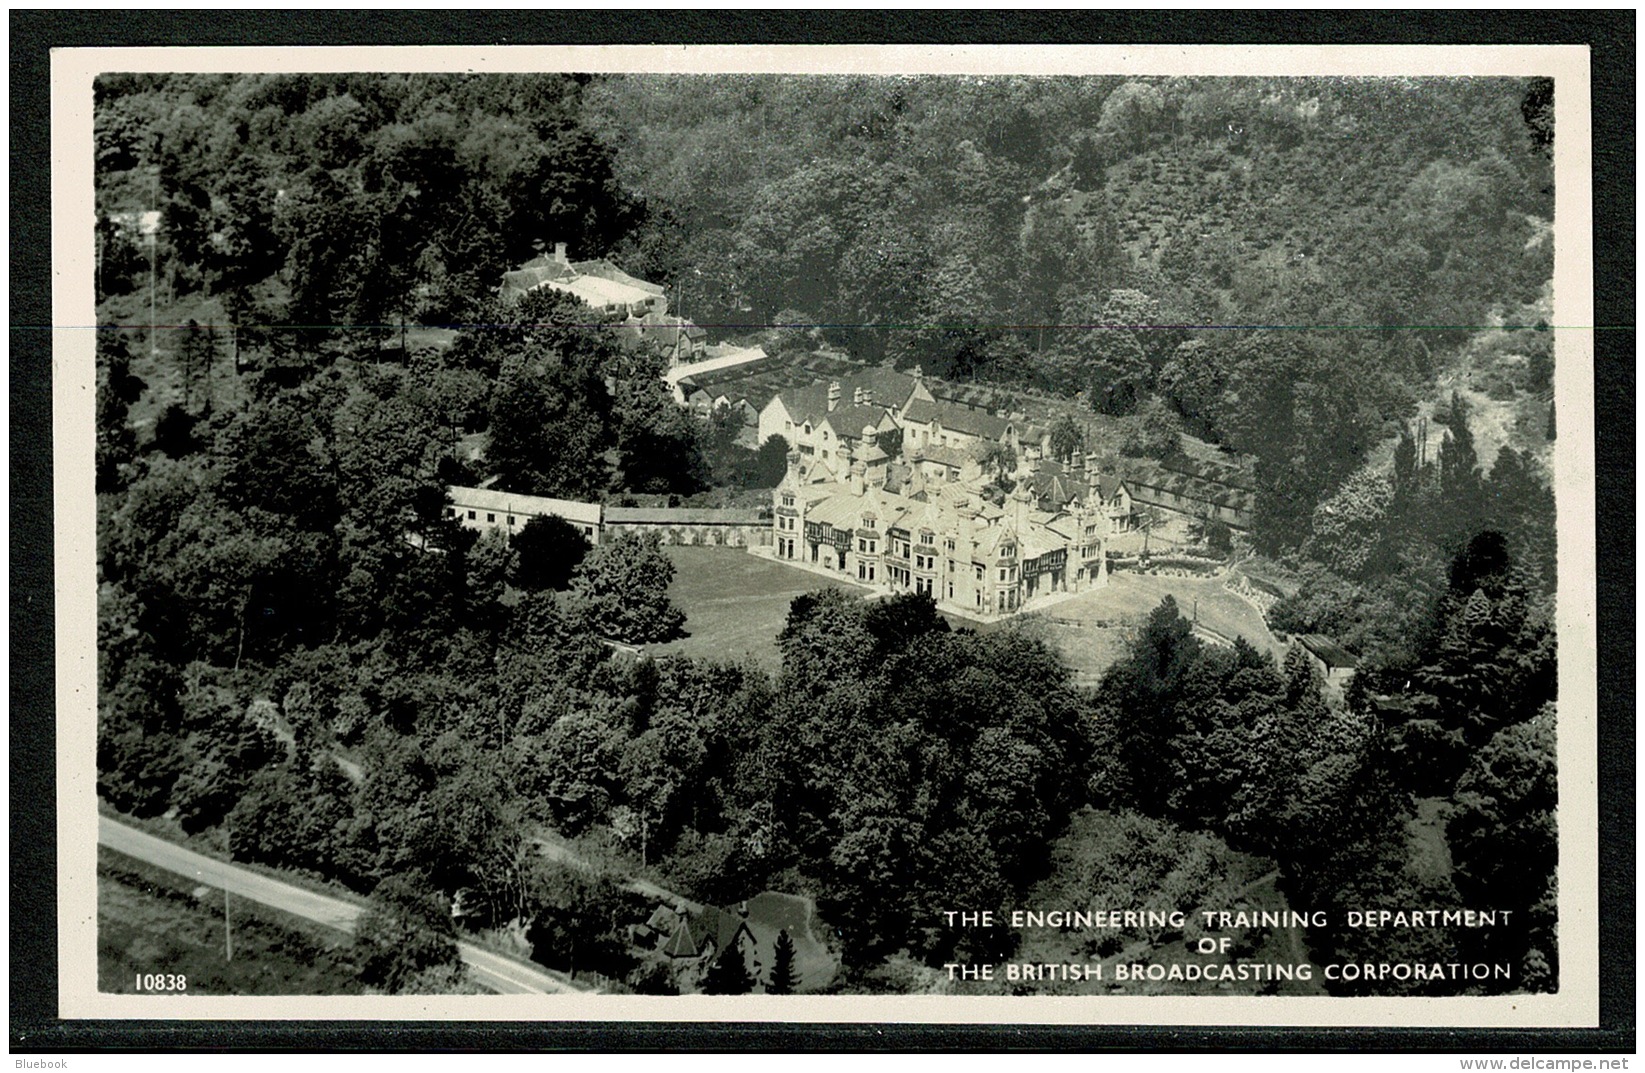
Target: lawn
(735, 602)
(1125, 603)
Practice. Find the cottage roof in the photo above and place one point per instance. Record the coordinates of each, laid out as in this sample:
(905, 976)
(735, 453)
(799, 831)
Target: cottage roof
(600, 293)
(534, 275)
(711, 929)
(600, 268)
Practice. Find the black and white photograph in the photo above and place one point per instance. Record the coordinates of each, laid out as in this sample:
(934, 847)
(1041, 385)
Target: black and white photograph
(573, 533)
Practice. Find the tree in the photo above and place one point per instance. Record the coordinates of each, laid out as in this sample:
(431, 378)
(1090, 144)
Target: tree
(197, 353)
(576, 919)
(551, 413)
(728, 974)
(624, 585)
(771, 462)
(1066, 439)
(490, 562)
(1157, 432)
(405, 931)
(1505, 840)
(116, 442)
(174, 433)
(998, 460)
(1350, 527)
(550, 549)
(781, 981)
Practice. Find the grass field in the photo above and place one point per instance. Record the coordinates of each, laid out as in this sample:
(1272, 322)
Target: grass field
(735, 602)
(1128, 598)
(148, 921)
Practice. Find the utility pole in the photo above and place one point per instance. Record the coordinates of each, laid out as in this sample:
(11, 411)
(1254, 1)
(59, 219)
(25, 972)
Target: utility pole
(228, 929)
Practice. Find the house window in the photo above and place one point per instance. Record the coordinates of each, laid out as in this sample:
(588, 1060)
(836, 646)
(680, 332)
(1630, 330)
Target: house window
(511, 519)
(950, 590)
(451, 512)
(1002, 573)
(491, 517)
(870, 571)
(471, 516)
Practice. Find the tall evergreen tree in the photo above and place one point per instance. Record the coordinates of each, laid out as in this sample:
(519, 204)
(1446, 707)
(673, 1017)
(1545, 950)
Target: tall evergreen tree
(782, 966)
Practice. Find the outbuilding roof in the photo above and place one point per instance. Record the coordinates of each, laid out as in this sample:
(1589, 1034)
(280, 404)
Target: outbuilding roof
(1328, 651)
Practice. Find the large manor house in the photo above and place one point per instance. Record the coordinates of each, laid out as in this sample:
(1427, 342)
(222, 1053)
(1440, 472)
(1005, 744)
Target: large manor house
(886, 484)
(925, 521)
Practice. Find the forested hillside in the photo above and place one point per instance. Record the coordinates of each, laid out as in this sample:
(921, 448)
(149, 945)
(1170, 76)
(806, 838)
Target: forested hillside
(305, 662)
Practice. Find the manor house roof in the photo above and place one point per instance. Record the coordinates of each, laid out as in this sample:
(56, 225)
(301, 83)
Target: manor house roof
(970, 422)
(887, 388)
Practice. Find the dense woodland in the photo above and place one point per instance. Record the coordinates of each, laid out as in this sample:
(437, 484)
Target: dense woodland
(304, 660)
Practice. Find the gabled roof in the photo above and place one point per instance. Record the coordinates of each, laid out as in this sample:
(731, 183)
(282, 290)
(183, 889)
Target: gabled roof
(958, 418)
(1108, 485)
(849, 421)
(887, 387)
(711, 930)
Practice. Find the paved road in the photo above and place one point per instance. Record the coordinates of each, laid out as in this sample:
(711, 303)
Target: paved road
(501, 974)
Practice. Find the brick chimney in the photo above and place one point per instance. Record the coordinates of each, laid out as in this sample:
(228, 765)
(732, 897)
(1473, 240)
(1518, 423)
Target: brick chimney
(833, 395)
(857, 396)
(560, 254)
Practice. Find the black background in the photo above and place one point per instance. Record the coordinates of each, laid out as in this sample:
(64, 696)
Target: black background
(33, 1022)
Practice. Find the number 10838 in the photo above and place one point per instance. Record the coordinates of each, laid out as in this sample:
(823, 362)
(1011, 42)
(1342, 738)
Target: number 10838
(161, 981)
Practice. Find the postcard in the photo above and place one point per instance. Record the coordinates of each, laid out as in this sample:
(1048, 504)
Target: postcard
(1048, 535)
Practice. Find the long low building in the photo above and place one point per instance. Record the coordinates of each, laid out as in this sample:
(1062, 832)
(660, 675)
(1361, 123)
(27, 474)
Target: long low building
(490, 508)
